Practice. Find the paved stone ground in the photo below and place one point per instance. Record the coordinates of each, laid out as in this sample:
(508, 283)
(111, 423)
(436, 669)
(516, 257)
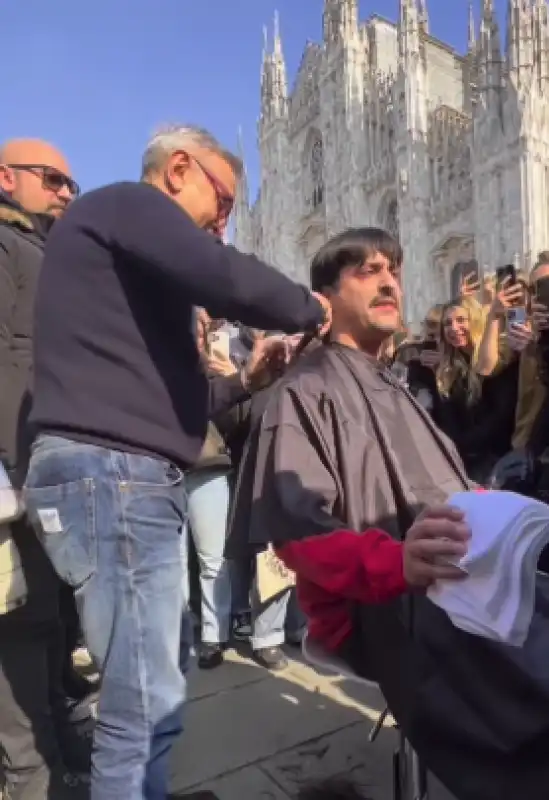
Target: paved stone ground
(259, 736)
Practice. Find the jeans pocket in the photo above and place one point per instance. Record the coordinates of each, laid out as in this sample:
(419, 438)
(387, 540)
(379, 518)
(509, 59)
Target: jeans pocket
(64, 519)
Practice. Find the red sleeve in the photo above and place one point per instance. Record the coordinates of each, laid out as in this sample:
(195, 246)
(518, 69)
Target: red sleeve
(363, 567)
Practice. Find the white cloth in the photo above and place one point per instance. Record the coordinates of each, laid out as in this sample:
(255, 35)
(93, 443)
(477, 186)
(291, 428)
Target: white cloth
(496, 600)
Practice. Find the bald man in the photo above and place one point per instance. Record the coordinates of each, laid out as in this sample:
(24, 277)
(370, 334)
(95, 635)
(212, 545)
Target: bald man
(36, 176)
(35, 189)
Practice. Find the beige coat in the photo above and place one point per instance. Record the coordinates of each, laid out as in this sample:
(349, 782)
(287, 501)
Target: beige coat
(13, 586)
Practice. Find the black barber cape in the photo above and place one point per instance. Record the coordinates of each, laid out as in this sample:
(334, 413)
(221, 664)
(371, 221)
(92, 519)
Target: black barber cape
(342, 445)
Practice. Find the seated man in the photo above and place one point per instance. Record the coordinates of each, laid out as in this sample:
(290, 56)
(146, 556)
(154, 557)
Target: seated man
(335, 437)
(349, 478)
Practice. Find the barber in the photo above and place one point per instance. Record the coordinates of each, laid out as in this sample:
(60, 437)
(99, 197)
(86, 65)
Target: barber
(121, 409)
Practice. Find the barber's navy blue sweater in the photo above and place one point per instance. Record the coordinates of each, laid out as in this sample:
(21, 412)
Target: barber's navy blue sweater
(116, 361)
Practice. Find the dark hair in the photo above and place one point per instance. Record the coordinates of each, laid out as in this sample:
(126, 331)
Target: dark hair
(336, 789)
(350, 249)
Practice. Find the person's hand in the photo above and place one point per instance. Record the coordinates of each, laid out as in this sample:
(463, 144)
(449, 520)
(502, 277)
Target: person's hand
(469, 285)
(435, 542)
(326, 305)
(429, 358)
(509, 295)
(519, 336)
(488, 290)
(267, 362)
(540, 317)
(220, 365)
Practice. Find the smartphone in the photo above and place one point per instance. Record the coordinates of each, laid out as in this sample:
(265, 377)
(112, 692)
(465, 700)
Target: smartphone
(430, 344)
(516, 316)
(219, 345)
(506, 274)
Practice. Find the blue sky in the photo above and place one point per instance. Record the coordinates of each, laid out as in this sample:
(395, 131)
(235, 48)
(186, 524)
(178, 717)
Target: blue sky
(96, 78)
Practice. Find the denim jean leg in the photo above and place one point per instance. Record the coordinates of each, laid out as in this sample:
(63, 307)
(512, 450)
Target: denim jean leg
(111, 525)
(268, 619)
(296, 621)
(208, 497)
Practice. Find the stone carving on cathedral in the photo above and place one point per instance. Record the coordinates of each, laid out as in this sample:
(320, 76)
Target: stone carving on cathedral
(380, 110)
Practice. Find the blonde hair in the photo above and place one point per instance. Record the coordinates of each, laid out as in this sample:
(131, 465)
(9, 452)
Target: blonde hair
(451, 366)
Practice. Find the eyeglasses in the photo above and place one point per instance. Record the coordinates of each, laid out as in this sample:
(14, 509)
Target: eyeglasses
(52, 179)
(225, 200)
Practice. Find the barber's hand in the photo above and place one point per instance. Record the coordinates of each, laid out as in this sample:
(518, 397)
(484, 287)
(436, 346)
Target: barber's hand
(220, 365)
(267, 362)
(325, 303)
(519, 336)
(436, 539)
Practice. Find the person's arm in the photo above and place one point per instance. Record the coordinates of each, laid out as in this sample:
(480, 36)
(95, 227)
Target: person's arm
(493, 352)
(367, 567)
(489, 350)
(151, 228)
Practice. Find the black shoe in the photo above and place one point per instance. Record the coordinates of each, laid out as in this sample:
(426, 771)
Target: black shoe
(242, 626)
(271, 658)
(210, 656)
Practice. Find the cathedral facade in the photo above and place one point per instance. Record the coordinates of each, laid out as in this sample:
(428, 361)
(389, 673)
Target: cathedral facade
(388, 126)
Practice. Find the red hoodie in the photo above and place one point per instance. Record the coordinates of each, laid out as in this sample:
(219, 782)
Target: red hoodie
(338, 569)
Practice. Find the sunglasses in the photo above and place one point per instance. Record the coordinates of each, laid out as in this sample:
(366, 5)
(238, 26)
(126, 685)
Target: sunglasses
(225, 200)
(52, 179)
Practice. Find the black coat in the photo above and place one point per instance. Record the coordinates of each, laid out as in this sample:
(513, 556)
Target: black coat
(22, 239)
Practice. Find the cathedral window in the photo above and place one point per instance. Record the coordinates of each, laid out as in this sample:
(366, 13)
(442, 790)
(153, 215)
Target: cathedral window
(317, 173)
(392, 219)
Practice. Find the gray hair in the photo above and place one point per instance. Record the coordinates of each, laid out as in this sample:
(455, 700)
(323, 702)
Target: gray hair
(170, 138)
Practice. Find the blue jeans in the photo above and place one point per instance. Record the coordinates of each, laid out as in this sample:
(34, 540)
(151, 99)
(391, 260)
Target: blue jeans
(272, 622)
(111, 525)
(208, 503)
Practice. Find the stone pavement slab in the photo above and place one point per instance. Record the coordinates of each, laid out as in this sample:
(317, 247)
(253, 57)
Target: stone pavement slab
(240, 715)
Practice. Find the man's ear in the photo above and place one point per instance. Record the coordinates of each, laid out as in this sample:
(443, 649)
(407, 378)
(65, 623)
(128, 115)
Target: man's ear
(7, 179)
(175, 170)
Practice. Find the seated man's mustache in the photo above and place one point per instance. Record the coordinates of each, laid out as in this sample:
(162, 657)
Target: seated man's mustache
(384, 300)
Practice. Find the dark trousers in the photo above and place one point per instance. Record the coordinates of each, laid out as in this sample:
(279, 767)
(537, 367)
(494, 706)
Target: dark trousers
(33, 713)
(31, 706)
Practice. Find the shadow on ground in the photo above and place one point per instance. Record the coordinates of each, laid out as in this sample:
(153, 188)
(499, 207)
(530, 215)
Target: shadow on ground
(261, 736)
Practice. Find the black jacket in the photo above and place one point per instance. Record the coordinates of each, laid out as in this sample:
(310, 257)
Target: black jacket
(22, 238)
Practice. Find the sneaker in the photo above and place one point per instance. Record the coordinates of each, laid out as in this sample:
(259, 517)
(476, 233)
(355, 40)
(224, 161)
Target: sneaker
(242, 626)
(272, 658)
(210, 655)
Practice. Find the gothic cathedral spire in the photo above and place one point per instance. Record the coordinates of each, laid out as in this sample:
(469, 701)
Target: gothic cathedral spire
(274, 84)
(340, 20)
(409, 29)
(490, 60)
